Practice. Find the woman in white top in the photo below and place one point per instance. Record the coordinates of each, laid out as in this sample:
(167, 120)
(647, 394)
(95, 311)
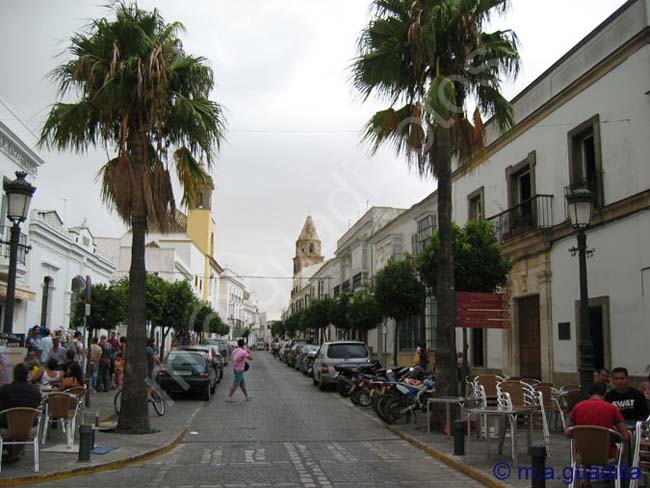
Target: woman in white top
(48, 376)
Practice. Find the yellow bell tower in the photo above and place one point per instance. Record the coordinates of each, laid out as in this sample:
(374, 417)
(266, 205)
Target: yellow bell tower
(200, 228)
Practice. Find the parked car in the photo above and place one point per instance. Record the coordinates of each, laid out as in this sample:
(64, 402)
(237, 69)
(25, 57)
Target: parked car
(281, 352)
(184, 371)
(339, 353)
(222, 345)
(288, 349)
(215, 357)
(306, 360)
(295, 354)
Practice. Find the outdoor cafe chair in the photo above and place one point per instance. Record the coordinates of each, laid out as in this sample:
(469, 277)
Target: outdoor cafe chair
(518, 394)
(530, 381)
(590, 448)
(80, 393)
(61, 408)
(641, 450)
(21, 430)
(564, 403)
(489, 383)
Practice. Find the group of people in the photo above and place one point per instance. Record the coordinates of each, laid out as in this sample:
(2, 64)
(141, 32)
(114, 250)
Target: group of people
(611, 407)
(52, 358)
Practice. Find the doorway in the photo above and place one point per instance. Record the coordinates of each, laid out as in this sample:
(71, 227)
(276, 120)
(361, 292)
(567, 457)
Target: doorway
(530, 353)
(599, 329)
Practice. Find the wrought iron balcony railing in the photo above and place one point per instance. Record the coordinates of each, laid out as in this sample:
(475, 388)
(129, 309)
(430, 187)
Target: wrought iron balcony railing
(532, 214)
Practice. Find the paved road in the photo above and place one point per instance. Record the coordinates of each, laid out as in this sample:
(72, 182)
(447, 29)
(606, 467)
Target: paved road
(289, 436)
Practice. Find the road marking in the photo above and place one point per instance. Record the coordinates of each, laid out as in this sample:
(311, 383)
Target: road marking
(314, 467)
(305, 478)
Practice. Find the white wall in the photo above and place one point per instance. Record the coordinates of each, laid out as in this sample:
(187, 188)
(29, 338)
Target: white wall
(615, 271)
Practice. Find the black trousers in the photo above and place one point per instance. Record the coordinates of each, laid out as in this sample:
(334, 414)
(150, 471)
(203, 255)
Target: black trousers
(104, 376)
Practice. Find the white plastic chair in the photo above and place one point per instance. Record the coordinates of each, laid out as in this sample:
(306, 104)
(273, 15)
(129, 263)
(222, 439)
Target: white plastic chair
(61, 408)
(21, 430)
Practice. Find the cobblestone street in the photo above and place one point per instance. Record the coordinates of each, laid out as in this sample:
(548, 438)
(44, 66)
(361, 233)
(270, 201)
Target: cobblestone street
(289, 435)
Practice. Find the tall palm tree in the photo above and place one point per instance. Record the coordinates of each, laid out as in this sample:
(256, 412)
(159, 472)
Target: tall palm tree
(430, 60)
(142, 97)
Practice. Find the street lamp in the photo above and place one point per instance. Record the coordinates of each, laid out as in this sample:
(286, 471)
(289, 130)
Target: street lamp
(580, 205)
(19, 196)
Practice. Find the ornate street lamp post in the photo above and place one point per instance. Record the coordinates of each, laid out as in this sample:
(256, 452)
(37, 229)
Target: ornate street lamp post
(580, 204)
(19, 196)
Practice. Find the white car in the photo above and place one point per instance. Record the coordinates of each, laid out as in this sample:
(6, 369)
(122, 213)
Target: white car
(340, 353)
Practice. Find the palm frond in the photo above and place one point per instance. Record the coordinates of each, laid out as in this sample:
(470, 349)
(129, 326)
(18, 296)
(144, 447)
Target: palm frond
(191, 174)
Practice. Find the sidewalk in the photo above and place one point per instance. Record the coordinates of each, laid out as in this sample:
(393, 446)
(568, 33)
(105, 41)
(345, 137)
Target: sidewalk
(127, 448)
(484, 467)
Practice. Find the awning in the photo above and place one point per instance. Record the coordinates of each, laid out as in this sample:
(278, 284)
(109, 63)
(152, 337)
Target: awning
(23, 292)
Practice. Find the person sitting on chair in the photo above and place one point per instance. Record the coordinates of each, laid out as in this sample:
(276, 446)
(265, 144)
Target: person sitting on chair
(597, 411)
(74, 377)
(20, 393)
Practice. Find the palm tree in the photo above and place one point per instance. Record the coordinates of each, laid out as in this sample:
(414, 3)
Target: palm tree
(140, 95)
(429, 60)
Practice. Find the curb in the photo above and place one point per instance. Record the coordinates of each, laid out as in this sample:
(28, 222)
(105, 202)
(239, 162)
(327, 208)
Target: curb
(85, 470)
(462, 467)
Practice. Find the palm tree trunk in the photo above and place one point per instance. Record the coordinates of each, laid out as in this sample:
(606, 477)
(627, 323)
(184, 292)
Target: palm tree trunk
(446, 373)
(134, 412)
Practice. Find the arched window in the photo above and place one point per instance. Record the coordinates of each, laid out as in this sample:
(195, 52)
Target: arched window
(45, 301)
(311, 248)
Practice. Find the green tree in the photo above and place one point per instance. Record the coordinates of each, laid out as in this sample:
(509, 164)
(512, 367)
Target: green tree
(178, 304)
(140, 95)
(338, 313)
(107, 309)
(478, 263)
(364, 313)
(156, 292)
(317, 314)
(291, 326)
(399, 294)
(430, 59)
(278, 328)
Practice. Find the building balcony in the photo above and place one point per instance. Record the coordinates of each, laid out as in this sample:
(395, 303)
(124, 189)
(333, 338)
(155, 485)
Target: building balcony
(533, 214)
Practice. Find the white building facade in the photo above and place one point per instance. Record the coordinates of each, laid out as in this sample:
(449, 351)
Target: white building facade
(583, 123)
(60, 259)
(15, 155)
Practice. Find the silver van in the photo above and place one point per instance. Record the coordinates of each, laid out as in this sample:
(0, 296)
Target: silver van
(339, 353)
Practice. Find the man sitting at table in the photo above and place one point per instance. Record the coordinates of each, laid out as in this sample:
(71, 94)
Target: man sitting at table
(20, 393)
(629, 400)
(596, 411)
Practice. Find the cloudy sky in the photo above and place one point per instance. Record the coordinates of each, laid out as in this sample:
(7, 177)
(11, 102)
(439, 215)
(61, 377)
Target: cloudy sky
(293, 139)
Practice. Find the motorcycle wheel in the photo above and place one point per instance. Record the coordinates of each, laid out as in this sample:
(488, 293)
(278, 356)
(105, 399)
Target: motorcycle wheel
(394, 411)
(354, 398)
(343, 388)
(365, 400)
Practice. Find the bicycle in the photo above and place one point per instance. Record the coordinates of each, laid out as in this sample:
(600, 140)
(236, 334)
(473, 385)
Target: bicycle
(155, 398)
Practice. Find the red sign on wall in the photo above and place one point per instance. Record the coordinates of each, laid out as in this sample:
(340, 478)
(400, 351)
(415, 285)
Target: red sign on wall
(482, 310)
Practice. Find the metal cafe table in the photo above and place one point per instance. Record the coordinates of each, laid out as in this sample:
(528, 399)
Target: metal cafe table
(501, 413)
(448, 401)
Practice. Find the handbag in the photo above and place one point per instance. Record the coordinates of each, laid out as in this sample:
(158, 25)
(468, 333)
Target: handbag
(247, 366)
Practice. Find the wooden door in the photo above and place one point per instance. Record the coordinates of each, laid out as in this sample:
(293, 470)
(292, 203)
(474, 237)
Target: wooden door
(530, 353)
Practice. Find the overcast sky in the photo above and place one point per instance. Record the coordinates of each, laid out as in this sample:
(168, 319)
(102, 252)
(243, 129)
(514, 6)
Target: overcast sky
(293, 139)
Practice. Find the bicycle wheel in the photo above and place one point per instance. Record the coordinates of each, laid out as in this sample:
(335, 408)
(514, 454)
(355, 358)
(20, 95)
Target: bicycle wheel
(117, 402)
(158, 402)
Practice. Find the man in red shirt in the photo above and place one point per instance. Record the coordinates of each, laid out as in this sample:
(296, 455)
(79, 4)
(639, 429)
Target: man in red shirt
(597, 411)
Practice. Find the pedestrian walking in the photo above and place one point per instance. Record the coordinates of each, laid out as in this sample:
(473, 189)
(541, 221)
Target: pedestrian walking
(104, 373)
(239, 356)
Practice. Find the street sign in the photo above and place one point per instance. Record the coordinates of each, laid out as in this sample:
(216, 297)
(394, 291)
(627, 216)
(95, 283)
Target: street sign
(482, 310)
